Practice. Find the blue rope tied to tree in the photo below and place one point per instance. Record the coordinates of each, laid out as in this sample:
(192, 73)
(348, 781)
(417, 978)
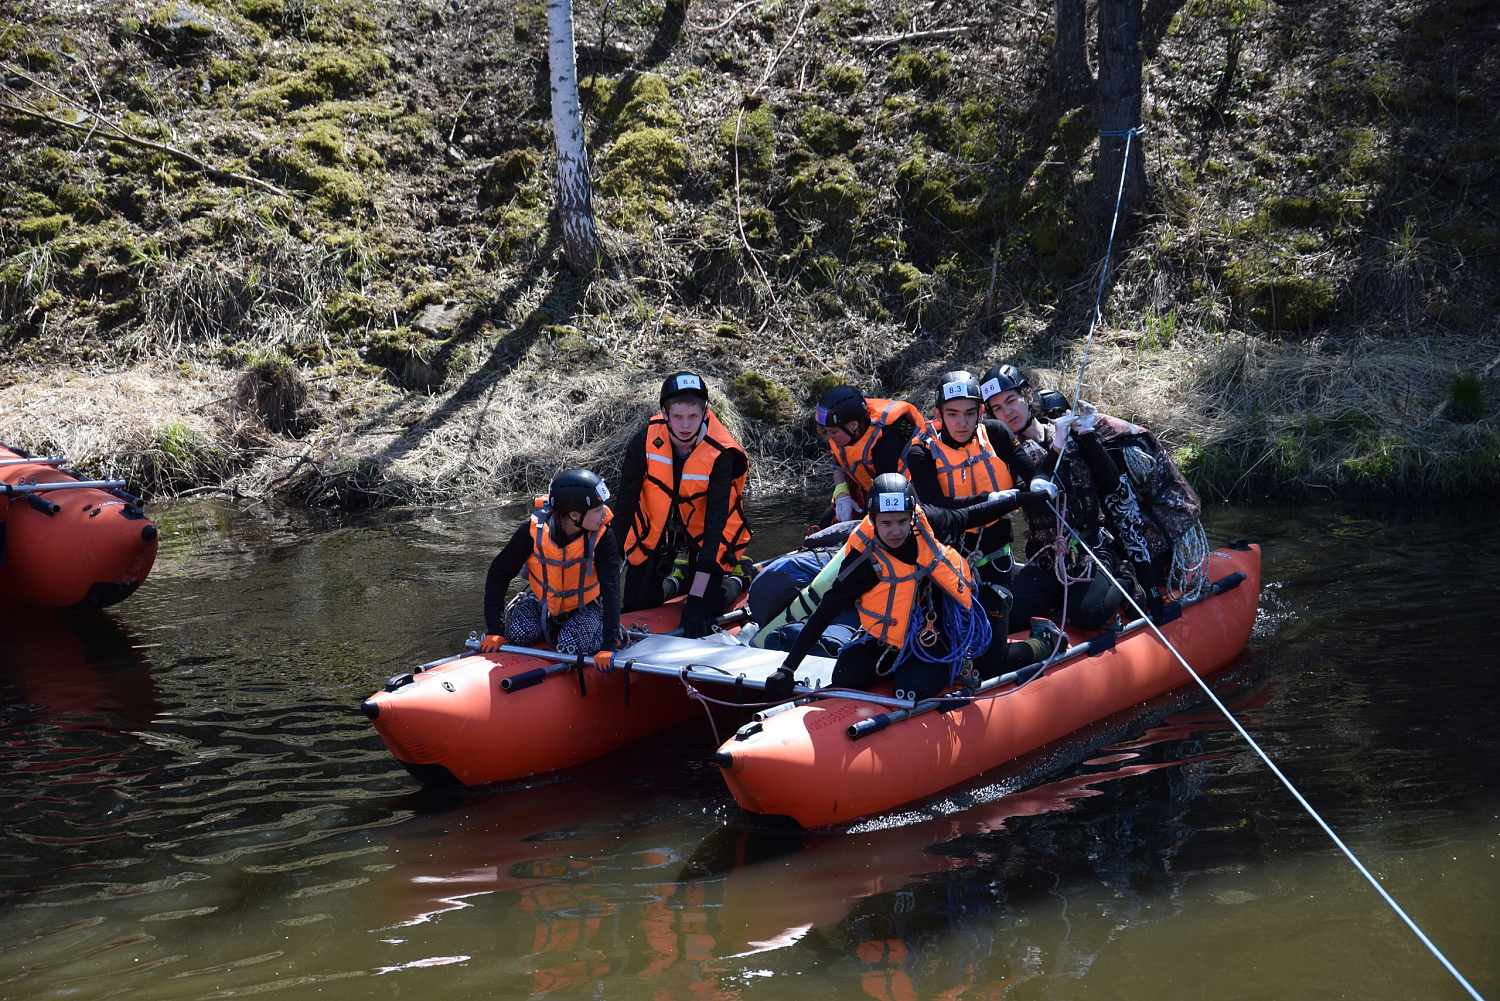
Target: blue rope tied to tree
(1129, 136)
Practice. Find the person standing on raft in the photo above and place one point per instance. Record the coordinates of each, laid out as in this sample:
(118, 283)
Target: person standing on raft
(681, 508)
(572, 565)
(915, 596)
(960, 457)
(867, 437)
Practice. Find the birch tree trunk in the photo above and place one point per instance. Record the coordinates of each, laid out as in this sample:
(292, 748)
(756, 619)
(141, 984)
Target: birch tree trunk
(575, 191)
(1119, 107)
(1071, 77)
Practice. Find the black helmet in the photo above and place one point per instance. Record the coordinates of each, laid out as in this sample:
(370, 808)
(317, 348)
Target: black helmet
(958, 385)
(1002, 379)
(891, 492)
(1049, 404)
(840, 405)
(683, 385)
(576, 490)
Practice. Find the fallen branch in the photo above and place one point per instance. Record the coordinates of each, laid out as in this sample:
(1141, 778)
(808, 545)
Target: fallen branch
(935, 35)
(113, 131)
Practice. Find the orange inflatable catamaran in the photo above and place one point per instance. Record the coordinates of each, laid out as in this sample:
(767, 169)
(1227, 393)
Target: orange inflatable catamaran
(834, 760)
(68, 542)
(825, 758)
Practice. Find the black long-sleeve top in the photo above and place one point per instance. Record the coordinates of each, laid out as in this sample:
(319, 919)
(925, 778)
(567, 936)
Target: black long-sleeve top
(512, 559)
(924, 478)
(948, 526)
(728, 467)
(891, 443)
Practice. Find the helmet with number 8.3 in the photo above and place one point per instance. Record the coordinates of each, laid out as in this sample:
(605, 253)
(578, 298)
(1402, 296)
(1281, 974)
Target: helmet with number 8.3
(958, 385)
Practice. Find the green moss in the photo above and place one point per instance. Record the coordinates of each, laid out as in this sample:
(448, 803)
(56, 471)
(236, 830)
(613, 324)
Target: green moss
(912, 71)
(40, 229)
(761, 399)
(1294, 211)
(261, 10)
(1468, 238)
(1477, 152)
(1275, 293)
(931, 194)
(756, 141)
(843, 78)
(829, 190)
(828, 133)
(640, 168)
(37, 59)
(1366, 157)
(1466, 397)
(905, 281)
(821, 385)
(499, 181)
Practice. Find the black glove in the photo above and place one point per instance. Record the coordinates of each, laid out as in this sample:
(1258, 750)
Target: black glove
(694, 619)
(779, 685)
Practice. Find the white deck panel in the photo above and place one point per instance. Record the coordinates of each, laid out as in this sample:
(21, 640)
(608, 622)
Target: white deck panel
(673, 653)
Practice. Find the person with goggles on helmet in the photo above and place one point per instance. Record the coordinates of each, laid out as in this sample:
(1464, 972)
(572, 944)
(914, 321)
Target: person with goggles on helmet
(1123, 493)
(681, 508)
(572, 566)
(899, 565)
(963, 455)
(867, 437)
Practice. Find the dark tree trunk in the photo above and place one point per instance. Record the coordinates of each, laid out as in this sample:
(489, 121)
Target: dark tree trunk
(1119, 106)
(1072, 79)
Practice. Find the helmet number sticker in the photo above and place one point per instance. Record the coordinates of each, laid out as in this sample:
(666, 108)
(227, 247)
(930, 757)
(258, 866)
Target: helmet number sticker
(990, 388)
(952, 389)
(689, 382)
(892, 502)
(603, 491)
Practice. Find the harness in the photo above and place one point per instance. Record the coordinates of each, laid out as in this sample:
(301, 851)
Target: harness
(562, 576)
(857, 459)
(671, 502)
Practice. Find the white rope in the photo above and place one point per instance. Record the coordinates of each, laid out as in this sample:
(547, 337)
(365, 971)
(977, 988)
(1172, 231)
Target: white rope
(1282, 777)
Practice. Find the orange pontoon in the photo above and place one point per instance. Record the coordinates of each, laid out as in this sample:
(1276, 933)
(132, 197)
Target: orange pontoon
(453, 723)
(66, 542)
(837, 759)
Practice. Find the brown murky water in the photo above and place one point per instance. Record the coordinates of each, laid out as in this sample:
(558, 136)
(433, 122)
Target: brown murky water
(192, 806)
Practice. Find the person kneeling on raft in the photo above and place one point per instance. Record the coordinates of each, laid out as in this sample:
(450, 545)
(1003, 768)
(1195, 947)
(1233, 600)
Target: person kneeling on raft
(867, 437)
(572, 564)
(915, 596)
(682, 484)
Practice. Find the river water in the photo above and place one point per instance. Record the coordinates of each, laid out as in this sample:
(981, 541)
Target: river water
(192, 805)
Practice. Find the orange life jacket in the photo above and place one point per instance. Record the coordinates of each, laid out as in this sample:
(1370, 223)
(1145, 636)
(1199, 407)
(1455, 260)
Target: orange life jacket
(689, 500)
(857, 459)
(562, 577)
(885, 611)
(969, 471)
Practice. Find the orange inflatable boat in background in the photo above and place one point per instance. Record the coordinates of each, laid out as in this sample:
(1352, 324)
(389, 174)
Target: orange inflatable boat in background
(837, 759)
(78, 544)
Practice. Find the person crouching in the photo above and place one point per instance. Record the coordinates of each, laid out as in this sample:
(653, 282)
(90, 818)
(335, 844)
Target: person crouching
(572, 566)
(915, 596)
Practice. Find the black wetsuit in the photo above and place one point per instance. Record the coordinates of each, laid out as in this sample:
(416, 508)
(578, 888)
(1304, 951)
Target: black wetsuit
(858, 662)
(511, 560)
(643, 580)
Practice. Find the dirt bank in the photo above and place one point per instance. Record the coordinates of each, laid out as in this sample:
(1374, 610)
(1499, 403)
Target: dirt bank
(331, 271)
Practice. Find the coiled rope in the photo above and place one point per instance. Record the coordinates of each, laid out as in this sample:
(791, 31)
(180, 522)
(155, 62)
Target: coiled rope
(967, 628)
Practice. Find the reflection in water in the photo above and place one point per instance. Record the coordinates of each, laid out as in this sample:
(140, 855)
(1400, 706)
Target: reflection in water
(74, 669)
(223, 821)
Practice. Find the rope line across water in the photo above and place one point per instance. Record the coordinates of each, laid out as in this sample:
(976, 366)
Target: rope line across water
(1290, 787)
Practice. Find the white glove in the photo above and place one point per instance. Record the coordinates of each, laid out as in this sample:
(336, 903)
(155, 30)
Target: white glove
(1084, 423)
(1060, 429)
(843, 508)
(1042, 485)
(998, 494)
